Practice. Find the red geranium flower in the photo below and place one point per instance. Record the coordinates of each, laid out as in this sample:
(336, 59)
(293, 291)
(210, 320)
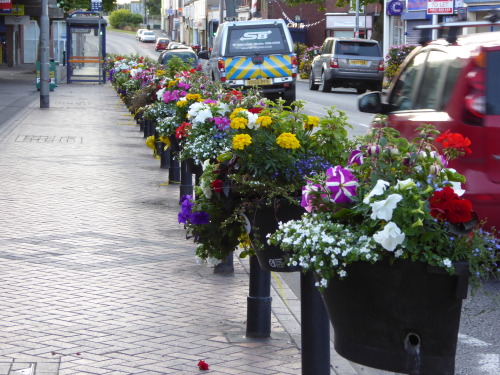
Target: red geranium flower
(234, 94)
(446, 205)
(455, 140)
(183, 130)
(255, 110)
(217, 186)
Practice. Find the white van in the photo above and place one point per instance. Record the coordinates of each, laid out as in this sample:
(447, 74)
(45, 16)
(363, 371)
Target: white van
(255, 53)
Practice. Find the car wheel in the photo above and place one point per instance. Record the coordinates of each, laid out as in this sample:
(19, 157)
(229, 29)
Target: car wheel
(324, 86)
(312, 85)
(361, 91)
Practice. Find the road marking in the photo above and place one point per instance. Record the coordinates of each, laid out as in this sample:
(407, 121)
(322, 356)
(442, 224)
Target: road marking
(469, 340)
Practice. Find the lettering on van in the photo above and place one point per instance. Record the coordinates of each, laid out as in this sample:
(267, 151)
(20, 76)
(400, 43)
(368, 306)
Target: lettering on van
(253, 35)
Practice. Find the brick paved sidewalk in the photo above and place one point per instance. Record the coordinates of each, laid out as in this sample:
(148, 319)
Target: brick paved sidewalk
(96, 276)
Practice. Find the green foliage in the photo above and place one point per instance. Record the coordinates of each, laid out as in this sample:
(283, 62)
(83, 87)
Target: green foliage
(123, 17)
(306, 59)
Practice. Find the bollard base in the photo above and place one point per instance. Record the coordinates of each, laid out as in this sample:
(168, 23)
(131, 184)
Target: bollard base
(258, 317)
(226, 267)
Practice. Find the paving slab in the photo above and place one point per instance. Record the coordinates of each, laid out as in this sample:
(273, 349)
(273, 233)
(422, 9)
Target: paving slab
(96, 275)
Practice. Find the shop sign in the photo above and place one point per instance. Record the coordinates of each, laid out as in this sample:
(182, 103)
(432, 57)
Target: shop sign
(439, 7)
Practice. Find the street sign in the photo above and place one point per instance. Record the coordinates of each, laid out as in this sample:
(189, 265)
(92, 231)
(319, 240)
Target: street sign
(96, 5)
(439, 7)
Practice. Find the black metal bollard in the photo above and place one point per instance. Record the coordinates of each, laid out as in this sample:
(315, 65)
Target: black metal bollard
(186, 186)
(165, 157)
(259, 301)
(315, 328)
(174, 170)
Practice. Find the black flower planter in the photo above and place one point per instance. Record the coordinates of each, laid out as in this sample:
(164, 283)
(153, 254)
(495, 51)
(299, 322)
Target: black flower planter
(402, 317)
(265, 220)
(174, 143)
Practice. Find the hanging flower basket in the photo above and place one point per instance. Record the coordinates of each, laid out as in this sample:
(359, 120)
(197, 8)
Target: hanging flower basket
(402, 317)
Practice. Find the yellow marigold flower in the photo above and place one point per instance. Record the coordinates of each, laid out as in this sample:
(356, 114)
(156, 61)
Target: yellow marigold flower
(181, 103)
(264, 121)
(171, 83)
(160, 72)
(235, 112)
(241, 140)
(194, 97)
(239, 123)
(288, 140)
(311, 122)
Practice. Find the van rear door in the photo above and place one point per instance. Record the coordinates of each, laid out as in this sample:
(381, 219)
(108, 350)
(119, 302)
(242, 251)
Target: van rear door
(257, 54)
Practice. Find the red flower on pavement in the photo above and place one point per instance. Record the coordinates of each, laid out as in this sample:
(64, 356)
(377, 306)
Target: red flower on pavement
(183, 130)
(455, 140)
(447, 205)
(202, 365)
(217, 186)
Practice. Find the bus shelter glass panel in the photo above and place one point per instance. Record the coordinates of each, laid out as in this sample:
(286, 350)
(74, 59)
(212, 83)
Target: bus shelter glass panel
(85, 48)
(84, 56)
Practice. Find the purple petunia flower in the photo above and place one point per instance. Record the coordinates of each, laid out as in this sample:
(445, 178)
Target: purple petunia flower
(342, 183)
(184, 85)
(222, 122)
(199, 218)
(307, 194)
(171, 96)
(356, 157)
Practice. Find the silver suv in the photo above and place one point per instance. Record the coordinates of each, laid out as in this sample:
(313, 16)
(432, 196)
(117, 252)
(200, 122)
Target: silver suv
(348, 62)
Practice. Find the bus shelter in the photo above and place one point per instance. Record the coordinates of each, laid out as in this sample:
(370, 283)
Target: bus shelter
(85, 47)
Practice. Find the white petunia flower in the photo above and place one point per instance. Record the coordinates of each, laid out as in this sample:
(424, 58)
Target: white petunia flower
(390, 237)
(405, 184)
(384, 209)
(378, 189)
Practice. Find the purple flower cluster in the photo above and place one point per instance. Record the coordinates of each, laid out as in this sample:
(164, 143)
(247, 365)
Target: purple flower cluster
(187, 215)
(173, 96)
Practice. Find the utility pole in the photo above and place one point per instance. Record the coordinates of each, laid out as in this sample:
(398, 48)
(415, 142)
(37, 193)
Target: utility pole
(44, 55)
(356, 27)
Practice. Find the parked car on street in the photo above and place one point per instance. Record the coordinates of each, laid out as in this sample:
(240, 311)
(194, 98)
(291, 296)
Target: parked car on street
(454, 85)
(177, 45)
(185, 54)
(147, 36)
(161, 44)
(348, 62)
(139, 32)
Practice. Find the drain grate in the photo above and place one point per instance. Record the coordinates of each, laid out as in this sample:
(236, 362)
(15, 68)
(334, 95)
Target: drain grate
(48, 139)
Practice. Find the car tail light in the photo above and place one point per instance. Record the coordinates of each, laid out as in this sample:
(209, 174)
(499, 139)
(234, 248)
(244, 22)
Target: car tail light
(381, 66)
(221, 66)
(334, 62)
(295, 65)
(475, 100)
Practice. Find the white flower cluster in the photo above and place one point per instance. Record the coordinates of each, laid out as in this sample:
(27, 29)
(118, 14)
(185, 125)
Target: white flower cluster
(207, 145)
(167, 125)
(323, 246)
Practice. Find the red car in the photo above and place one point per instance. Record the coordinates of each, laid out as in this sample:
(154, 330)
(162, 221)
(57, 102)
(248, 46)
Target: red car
(453, 84)
(161, 44)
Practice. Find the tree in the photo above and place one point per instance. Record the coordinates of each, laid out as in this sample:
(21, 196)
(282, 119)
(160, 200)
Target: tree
(120, 18)
(154, 7)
